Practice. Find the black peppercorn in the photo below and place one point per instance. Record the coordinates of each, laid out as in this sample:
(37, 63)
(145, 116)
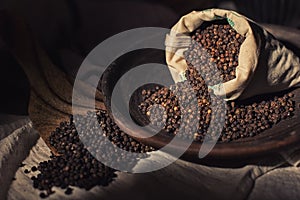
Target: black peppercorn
(213, 44)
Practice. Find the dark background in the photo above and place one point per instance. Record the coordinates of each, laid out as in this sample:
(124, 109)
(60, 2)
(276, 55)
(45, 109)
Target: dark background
(69, 29)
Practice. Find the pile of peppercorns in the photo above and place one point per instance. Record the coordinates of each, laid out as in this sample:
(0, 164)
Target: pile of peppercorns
(76, 166)
(214, 51)
(212, 58)
(240, 120)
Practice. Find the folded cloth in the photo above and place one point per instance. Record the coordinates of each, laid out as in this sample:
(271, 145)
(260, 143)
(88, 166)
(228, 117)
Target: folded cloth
(21, 145)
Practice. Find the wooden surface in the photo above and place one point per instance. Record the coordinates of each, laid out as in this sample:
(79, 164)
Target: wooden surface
(51, 90)
(251, 150)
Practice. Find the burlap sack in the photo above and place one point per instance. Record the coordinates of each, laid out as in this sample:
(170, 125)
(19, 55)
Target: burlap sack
(265, 65)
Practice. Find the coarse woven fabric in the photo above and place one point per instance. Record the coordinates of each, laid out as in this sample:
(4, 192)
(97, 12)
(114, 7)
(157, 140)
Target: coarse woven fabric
(265, 64)
(22, 144)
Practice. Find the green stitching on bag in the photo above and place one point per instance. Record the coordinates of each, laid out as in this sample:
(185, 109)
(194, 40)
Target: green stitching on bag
(230, 22)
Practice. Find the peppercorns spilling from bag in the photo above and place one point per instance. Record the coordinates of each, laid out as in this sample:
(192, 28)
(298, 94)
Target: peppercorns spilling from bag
(213, 52)
(241, 120)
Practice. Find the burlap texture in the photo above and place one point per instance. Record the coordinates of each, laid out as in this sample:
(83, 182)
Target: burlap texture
(265, 65)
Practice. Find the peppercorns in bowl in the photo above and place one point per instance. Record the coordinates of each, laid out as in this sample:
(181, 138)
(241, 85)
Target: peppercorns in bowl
(252, 129)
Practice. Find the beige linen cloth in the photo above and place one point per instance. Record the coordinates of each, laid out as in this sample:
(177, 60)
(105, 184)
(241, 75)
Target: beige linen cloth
(265, 65)
(20, 143)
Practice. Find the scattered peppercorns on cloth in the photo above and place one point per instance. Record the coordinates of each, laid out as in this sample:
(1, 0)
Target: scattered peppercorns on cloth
(76, 166)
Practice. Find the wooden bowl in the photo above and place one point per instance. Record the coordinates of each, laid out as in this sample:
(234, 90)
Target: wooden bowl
(252, 150)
